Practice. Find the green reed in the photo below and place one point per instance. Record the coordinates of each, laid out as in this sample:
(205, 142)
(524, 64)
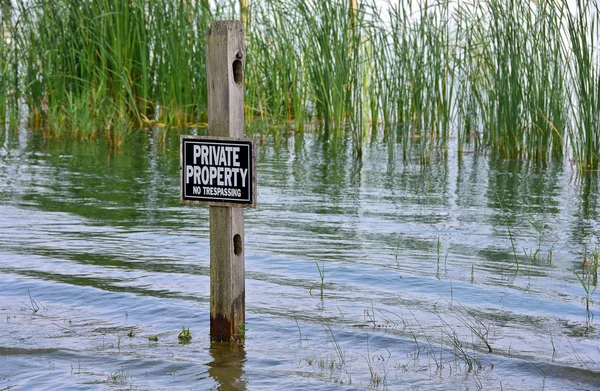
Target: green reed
(420, 62)
(276, 86)
(331, 47)
(9, 86)
(4, 78)
(546, 73)
(503, 96)
(583, 31)
(511, 76)
(179, 39)
(468, 54)
(518, 77)
(103, 66)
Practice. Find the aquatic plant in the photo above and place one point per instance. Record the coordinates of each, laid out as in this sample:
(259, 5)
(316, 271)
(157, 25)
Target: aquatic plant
(518, 77)
(331, 59)
(513, 64)
(4, 78)
(100, 66)
(340, 353)
(185, 336)
(588, 278)
(374, 378)
(34, 305)
(120, 377)
(240, 336)
(321, 284)
(297, 325)
(9, 107)
(583, 27)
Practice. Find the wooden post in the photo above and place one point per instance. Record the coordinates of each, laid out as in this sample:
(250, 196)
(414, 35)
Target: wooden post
(225, 59)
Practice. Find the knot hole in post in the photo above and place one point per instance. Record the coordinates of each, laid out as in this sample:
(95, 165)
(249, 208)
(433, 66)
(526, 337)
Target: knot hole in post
(238, 68)
(237, 244)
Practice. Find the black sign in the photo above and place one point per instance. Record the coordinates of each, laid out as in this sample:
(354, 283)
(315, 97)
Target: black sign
(218, 171)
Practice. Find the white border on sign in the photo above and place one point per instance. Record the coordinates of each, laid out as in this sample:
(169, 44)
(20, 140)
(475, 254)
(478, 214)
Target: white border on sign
(217, 142)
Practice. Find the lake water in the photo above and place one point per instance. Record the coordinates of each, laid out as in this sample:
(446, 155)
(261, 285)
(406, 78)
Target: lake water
(461, 274)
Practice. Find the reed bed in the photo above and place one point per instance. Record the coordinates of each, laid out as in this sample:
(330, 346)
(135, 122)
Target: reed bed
(585, 82)
(92, 67)
(7, 66)
(514, 67)
(520, 78)
(4, 79)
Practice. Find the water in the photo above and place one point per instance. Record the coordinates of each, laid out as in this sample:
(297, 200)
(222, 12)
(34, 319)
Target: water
(420, 275)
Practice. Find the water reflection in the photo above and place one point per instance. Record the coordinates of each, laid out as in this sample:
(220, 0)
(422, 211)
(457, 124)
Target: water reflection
(586, 214)
(392, 234)
(227, 366)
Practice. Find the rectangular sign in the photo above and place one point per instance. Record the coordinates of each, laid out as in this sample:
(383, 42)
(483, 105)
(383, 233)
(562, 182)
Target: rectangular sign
(218, 171)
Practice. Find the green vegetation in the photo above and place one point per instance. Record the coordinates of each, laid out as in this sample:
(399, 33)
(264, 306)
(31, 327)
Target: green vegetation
(585, 75)
(518, 77)
(589, 282)
(120, 377)
(240, 336)
(185, 336)
(320, 284)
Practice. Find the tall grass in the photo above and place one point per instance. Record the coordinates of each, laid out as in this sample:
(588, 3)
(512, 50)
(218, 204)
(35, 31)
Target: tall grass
(104, 66)
(512, 77)
(419, 83)
(518, 77)
(4, 77)
(8, 70)
(331, 52)
(583, 31)
(276, 85)
(547, 75)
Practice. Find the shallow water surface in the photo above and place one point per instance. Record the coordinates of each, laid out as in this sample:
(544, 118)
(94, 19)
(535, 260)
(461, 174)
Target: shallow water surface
(458, 274)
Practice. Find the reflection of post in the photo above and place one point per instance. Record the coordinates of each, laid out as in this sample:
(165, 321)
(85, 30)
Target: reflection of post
(225, 58)
(227, 366)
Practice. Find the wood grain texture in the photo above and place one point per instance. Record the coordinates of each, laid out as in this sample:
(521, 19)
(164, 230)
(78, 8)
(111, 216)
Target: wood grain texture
(225, 46)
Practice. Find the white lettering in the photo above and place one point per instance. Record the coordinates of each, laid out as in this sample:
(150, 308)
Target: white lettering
(228, 176)
(228, 150)
(236, 157)
(214, 156)
(189, 173)
(220, 176)
(235, 177)
(205, 175)
(197, 175)
(204, 158)
(213, 174)
(243, 173)
(196, 153)
(222, 157)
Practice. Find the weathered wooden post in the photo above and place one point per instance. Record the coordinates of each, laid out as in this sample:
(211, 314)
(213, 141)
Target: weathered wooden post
(225, 58)
(219, 170)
